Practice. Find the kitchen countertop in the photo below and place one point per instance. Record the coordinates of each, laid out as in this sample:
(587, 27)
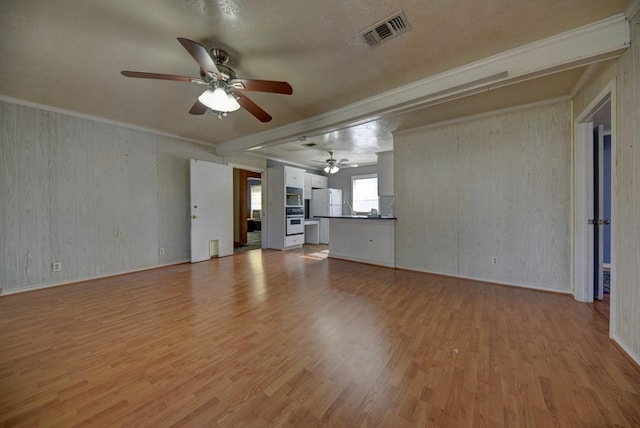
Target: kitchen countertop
(359, 217)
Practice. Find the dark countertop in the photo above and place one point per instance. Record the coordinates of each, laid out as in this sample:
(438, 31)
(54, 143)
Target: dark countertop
(358, 217)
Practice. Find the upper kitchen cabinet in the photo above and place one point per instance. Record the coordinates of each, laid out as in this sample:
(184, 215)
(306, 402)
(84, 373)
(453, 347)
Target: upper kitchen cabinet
(293, 177)
(314, 181)
(385, 173)
(319, 181)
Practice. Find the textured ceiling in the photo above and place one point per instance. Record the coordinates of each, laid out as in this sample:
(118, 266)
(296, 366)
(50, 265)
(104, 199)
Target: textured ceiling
(360, 143)
(69, 54)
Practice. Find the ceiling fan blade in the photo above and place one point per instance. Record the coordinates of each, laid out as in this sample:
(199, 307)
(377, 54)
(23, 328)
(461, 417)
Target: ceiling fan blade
(198, 108)
(252, 108)
(144, 75)
(262, 86)
(201, 55)
(343, 160)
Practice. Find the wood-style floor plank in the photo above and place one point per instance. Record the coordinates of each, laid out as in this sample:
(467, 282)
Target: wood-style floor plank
(269, 338)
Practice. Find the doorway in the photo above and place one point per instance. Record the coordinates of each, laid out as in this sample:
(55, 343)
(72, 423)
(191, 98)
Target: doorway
(594, 173)
(601, 218)
(248, 210)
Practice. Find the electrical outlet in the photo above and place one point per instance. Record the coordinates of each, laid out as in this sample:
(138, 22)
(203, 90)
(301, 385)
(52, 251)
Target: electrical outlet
(162, 252)
(494, 260)
(56, 267)
(120, 233)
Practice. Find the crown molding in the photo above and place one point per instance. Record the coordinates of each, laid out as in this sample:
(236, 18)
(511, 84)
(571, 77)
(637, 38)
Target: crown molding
(632, 9)
(606, 38)
(483, 115)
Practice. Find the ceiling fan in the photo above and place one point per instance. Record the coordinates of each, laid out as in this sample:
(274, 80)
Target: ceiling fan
(223, 94)
(333, 165)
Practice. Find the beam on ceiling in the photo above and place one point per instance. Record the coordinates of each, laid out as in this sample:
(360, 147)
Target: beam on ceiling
(606, 38)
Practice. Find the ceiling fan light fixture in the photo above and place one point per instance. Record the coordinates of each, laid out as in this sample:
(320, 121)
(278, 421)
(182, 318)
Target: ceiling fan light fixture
(333, 169)
(219, 100)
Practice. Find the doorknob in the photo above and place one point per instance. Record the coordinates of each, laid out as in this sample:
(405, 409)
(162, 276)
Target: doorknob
(606, 221)
(194, 216)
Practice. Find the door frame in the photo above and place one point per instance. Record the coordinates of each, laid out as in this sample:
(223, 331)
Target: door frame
(583, 198)
(263, 173)
(243, 178)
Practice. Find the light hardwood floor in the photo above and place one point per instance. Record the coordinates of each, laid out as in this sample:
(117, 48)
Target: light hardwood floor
(269, 338)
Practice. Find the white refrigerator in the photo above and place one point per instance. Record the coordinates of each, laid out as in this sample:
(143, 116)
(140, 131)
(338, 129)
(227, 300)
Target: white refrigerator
(325, 202)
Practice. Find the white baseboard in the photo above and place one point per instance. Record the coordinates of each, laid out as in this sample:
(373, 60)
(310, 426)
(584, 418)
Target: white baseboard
(75, 281)
(626, 348)
(493, 281)
(365, 261)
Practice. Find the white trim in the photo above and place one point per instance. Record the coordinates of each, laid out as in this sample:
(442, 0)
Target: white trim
(483, 115)
(583, 200)
(626, 348)
(632, 9)
(90, 278)
(492, 281)
(584, 78)
(359, 260)
(583, 290)
(613, 313)
(100, 119)
(602, 39)
(598, 99)
(246, 168)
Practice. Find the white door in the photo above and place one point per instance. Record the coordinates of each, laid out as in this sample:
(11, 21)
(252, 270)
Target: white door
(598, 212)
(602, 209)
(211, 210)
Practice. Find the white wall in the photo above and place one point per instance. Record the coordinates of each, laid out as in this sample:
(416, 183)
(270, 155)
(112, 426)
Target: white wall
(626, 225)
(498, 186)
(68, 184)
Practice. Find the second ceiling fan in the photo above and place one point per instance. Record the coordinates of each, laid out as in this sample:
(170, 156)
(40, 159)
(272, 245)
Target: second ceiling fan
(333, 165)
(224, 92)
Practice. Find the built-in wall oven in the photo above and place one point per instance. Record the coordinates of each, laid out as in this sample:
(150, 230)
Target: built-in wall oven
(295, 221)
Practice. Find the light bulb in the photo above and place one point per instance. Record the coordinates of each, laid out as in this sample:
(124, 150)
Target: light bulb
(232, 103)
(219, 100)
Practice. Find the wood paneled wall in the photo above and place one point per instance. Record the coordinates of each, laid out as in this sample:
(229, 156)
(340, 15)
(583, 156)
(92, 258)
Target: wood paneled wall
(498, 186)
(69, 184)
(626, 225)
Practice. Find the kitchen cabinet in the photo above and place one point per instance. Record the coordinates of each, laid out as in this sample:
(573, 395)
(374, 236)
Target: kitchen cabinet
(278, 179)
(319, 181)
(307, 185)
(293, 177)
(363, 240)
(294, 241)
(385, 173)
(314, 181)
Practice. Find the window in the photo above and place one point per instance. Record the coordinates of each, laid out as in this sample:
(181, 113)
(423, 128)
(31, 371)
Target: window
(364, 192)
(256, 200)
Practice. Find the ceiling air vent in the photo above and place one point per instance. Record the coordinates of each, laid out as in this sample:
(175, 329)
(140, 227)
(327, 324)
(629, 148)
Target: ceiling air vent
(386, 29)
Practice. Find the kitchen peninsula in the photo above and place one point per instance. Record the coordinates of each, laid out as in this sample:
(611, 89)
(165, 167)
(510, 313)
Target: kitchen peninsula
(363, 239)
